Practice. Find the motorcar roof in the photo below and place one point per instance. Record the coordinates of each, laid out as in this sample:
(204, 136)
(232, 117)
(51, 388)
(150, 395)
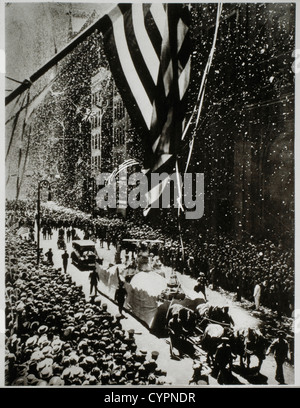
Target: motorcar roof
(84, 243)
(143, 240)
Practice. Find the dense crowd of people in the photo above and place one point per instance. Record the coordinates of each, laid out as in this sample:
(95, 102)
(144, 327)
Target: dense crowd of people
(239, 267)
(54, 336)
(236, 266)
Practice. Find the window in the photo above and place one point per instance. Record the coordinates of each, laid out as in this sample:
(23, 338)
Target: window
(117, 136)
(122, 138)
(98, 161)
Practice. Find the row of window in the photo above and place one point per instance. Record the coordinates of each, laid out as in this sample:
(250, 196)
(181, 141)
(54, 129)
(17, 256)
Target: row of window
(119, 113)
(119, 110)
(95, 97)
(119, 139)
(98, 97)
(119, 136)
(96, 119)
(96, 162)
(96, 141)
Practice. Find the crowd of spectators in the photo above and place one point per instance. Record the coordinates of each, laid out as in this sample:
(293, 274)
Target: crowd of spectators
(54, 336)
(236, 266)
(239, 266)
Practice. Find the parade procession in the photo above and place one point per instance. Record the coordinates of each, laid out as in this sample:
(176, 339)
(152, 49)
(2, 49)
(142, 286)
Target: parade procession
(149, 194)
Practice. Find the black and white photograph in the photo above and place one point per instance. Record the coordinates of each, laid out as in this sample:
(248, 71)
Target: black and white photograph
(149, 232)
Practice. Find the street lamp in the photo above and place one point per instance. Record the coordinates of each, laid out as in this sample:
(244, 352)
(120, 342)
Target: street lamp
(42, 183)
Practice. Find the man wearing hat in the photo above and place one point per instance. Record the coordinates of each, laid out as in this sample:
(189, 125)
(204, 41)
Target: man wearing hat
(223, 359)
(280, 349)
(65, 257)
(200, 376)
(142, 356)
(130, 340)
(257, 294)
(120, 294)
(176, 335)
(46, 373)
(151, 379)
(104, 313)
(32, 379)
(49, 256)
(150, 365)
(154, 355)
(94, 279)
(201, 284)
(116, 323)
(56, 381)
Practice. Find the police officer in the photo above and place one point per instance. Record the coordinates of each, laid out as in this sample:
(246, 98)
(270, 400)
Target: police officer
(65, 257)
(223, 359)
(201, 284)
(280, 349)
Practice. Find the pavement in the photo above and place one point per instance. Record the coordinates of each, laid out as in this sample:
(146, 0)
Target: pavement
(179, 372)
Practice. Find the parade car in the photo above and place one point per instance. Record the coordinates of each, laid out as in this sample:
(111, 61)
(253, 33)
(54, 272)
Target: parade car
(84, 254)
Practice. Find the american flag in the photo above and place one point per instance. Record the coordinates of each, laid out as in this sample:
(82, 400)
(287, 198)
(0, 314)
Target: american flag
(148, 48)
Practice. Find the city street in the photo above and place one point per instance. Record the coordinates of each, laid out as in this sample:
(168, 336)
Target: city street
(163, 133)
(179, 372)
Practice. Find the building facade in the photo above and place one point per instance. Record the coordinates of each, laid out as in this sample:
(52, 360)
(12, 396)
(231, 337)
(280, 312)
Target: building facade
(245, 144)
(110, 125)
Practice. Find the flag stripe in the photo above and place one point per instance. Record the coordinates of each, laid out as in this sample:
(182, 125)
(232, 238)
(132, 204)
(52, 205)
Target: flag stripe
(164, 145)
(184, 53)
(183, 81)
(159, 15)
(175, 50)
(128, 68)
(121, 81)
(182, 30)
(166, 164)
(138, 58)
(144, 42)
(152, 30)
(160, 109)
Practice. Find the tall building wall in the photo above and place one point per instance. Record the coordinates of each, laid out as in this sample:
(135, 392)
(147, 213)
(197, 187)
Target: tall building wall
(264, 172)
(245, 145)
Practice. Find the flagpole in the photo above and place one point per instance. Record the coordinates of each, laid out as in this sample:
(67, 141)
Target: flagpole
(56, 58)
